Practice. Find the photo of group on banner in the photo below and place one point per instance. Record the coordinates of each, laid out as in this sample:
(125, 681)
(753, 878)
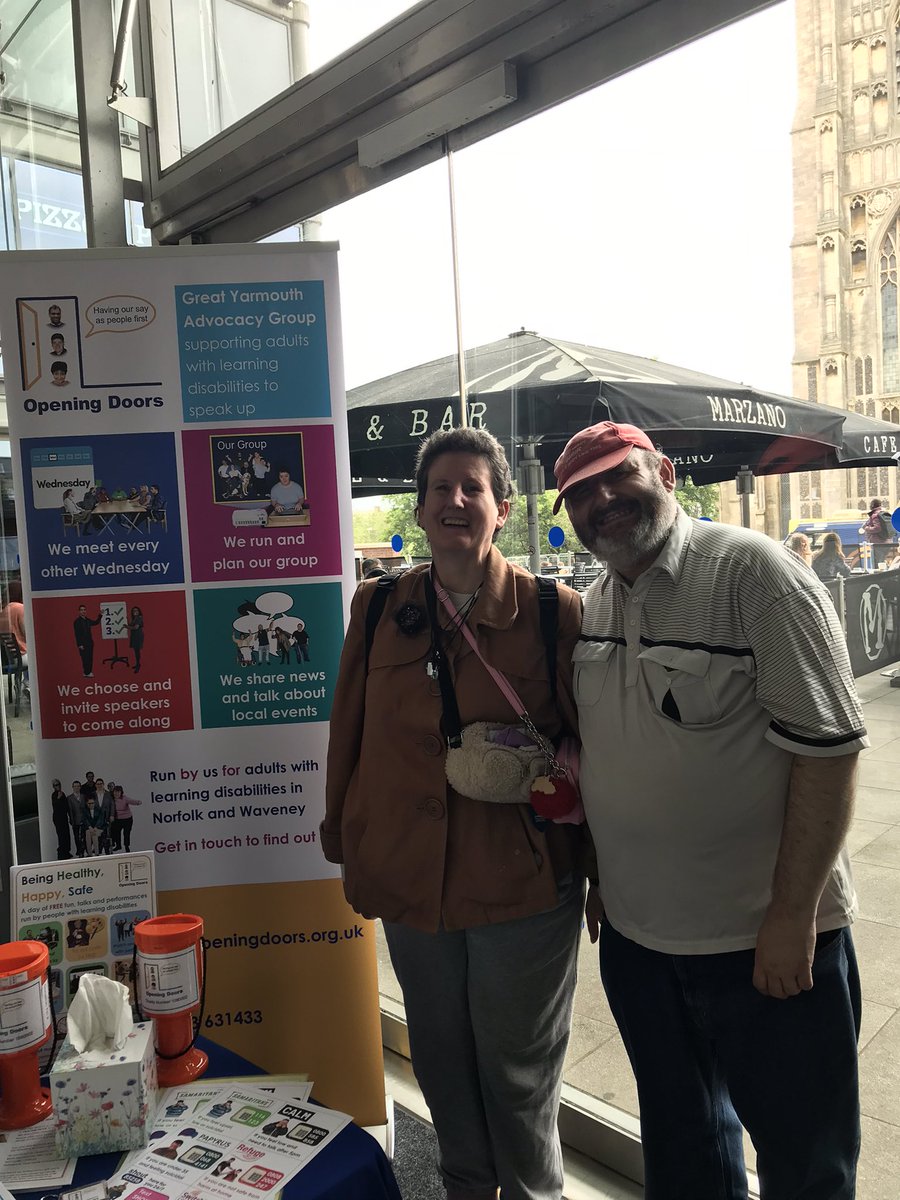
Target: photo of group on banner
(265, 471)
(94, 818)
(134, 508)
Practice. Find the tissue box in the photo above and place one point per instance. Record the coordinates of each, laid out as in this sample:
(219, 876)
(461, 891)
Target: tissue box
(104, 1100)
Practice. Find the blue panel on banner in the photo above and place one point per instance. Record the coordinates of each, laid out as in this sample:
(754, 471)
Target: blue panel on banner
(253, 351)
(102, 511)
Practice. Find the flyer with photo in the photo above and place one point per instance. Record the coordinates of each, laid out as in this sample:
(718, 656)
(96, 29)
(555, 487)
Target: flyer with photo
(84, 911)
(240, 1142)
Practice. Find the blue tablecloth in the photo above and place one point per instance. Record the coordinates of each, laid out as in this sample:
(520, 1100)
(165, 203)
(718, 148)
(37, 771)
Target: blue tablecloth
(352, 1167)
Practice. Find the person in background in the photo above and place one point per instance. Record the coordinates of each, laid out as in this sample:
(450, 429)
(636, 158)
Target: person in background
(12, 617)
(94, 825)
(300, 638)
(77, 816)
(287, 495)
(481, 905)
(877, 528)
(373, 568)
(107, 807)
(284, 643)
(80, 517)
(830, 563)
(60, 806)
(124, 821)
(83, 628)
(801, 547)
(135, 629)
(720, 731)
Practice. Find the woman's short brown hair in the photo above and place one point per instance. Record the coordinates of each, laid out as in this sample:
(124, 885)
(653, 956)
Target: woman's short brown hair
(465, 441)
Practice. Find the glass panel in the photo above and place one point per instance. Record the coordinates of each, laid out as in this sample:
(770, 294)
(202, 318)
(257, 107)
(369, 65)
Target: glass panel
(49, 207)
(198, 104)
(41, 208)
(335, 27)
(230, 58)
(38, 57)
(242, 89)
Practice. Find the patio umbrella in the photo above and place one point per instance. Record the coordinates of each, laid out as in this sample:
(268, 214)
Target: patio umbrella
(865, 442)
(535, 392)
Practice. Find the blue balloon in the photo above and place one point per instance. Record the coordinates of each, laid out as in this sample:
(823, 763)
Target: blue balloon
(556, 536)
(396, 543)
(895, 519)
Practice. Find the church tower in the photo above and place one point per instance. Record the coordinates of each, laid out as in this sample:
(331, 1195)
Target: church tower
(846, 161)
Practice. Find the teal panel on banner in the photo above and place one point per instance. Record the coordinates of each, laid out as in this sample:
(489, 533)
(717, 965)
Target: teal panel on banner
(253, 351)
(267, 653)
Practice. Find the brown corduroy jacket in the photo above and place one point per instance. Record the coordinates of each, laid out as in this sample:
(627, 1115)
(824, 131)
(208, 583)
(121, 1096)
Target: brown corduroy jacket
(414, 851)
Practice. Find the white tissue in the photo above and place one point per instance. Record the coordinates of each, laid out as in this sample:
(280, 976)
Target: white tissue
(99, 1015)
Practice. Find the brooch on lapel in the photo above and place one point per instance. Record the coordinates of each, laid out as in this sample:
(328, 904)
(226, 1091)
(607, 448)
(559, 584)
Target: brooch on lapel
(411, 619)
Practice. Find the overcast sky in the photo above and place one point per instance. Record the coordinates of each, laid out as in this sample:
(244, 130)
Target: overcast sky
(652, 215)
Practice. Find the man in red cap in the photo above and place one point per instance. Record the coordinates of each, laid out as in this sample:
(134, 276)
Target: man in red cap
(720, 730)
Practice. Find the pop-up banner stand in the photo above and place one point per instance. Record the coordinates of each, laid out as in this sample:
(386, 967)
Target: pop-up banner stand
(180, 454)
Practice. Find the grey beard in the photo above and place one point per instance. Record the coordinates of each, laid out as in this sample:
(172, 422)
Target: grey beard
(640, 544)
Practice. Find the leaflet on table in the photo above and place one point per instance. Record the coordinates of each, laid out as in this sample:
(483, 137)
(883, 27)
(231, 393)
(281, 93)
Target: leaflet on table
(259, 1143)
(176, 1102)
(84, 911)
(28, 1159)
(179, 1105)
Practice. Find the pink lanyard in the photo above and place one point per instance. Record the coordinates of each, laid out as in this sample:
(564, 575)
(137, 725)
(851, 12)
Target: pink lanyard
(501, 681)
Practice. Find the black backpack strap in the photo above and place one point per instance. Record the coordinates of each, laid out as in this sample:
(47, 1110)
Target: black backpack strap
(380, 593)
(548, 612)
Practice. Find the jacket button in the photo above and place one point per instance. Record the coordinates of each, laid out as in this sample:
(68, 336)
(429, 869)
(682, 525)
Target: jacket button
(432, 745)
(434, 808)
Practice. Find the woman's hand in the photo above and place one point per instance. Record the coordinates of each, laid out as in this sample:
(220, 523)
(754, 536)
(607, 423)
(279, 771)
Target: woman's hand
(593, 912)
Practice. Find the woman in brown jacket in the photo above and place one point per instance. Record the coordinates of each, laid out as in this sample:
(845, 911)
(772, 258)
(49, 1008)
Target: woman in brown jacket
(481, 902)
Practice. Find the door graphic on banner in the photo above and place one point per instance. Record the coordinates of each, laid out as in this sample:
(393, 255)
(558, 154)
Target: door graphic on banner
(180, 447)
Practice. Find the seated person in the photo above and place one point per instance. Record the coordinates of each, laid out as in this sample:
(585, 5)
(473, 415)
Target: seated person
(287, 495)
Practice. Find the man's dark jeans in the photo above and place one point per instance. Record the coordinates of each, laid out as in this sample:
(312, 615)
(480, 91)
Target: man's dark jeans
(709, 1053)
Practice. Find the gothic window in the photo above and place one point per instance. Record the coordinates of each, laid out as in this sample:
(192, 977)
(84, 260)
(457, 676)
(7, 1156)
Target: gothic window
(880, 109)
(812, 383)
(859, 376)
(868, 374)
(890, 335)
(879, 57)
(861, 116)
(858, 258)
(860, 55)
(891, 413)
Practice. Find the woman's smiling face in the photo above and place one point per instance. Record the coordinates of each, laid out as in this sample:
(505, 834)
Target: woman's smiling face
(459, 511)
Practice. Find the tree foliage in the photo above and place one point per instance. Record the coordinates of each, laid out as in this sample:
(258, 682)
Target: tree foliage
(373, 526)
(699, 501)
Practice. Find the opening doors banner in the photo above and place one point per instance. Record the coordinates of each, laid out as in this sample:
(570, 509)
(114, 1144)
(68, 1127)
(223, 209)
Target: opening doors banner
(181, 472)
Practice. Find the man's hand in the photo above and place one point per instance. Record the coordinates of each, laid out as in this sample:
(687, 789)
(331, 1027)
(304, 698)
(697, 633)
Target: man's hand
(593, 912)
(784, 955)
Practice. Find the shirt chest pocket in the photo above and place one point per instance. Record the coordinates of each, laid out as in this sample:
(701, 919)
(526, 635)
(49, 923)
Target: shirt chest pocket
(591, 663)
(694, 687)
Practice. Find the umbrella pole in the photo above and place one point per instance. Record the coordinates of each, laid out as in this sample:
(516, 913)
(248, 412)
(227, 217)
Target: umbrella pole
(460, 350)
(531, 482)
(746, 486)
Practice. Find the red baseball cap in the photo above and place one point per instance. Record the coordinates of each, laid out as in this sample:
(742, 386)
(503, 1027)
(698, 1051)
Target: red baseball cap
(594, 450)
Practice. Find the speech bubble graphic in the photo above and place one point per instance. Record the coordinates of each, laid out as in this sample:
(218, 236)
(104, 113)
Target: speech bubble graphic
(275, 603)
(119, 314)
